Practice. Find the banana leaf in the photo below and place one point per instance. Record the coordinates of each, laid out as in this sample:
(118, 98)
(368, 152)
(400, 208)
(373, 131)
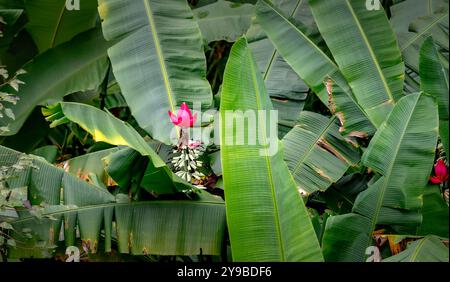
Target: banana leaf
(374, 67)
(310, 62)
(51, 23)
(316, 153)
(267, 219)
(402, 155)
(434, 80)
(158, 60)
(414, 21)
(156, 227)
(428, 249)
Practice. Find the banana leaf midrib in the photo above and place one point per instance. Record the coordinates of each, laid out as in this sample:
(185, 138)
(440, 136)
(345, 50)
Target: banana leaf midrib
(266, 158)
(424, 31)
(58, 25)
(418, 248)
(160, 54)
(382, 191)
(371, 52)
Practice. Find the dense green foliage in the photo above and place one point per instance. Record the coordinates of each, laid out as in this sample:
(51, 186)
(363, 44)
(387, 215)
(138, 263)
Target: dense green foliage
(224, 130)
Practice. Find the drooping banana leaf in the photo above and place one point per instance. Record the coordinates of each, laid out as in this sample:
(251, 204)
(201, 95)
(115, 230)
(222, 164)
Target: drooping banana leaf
(434, 80)
(157, 227)
(78, 65)
(158, 61)
(414, 21)
(402, 154)
(223, 20)
(314, 67)
(44, 182)
(428, 249)
(105, 127)
(267, 219)
(316, 153)
(374, 67)
(51, 23)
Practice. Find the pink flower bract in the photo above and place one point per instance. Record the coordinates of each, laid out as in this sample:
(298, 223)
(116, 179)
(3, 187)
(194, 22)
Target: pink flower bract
(184, 117)
(440, 171)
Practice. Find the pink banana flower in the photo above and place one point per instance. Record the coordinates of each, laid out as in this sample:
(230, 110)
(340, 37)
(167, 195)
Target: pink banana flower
(184, 117)
(440, 171)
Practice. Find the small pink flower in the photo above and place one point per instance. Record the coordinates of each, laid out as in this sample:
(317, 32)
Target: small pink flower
(440, 171)
(184, 117)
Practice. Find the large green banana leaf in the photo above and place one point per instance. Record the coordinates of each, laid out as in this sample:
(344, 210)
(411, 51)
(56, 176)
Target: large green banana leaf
(159, 60)
(402, 153)
(51, 23)
(374, 67)
(428, 249)
(44, 183)
(223, 20)
(78, 65)
(314, 67)
(105, 127)
(267, 219)
(434, 80)
(316, 153)
(157, 227)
